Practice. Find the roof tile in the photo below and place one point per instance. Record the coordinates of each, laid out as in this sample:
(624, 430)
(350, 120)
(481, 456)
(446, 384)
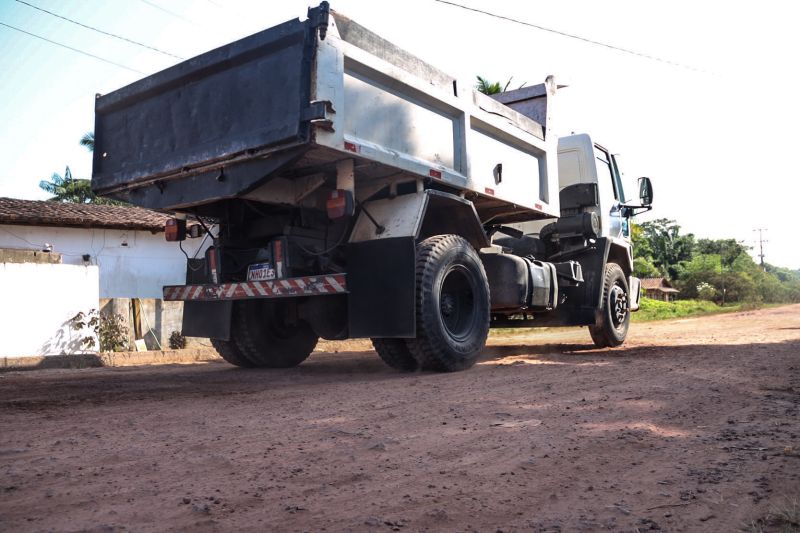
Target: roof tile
(63, 214)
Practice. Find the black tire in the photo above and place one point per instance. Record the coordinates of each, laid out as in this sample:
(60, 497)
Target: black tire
(265, 337)
(396, 354)
(614, 317)
(452, 305)
(231, 353)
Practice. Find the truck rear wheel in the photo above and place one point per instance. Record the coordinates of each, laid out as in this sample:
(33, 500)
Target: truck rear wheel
(395, 353)
(614, 319)
(231, 353)
(452, 304)
(265, 336)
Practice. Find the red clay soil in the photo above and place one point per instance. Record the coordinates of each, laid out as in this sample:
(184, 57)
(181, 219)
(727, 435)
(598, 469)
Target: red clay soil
(691, 426)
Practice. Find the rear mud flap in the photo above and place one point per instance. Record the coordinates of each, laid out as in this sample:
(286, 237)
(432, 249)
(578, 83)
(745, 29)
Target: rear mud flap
(381, 284)
(207, 319)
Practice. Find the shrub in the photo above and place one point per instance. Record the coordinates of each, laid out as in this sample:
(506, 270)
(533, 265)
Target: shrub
(109, 328)
(177, 341)
(656, 310)
(706, 291)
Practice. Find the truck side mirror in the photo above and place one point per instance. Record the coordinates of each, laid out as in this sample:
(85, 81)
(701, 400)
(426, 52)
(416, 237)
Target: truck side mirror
(645, 191)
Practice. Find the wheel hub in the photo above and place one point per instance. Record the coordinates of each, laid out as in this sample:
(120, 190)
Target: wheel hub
(448, 304)
(619, 305)
(456, 302)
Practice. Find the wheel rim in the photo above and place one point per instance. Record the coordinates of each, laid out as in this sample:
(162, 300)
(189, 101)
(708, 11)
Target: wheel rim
(618, 303)
(457, 302)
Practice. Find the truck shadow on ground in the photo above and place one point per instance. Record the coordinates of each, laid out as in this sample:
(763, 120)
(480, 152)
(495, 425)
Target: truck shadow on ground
(581, 353)
(68, 388)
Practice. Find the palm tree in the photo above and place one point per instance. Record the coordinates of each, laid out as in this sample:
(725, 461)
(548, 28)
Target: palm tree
(88, 141)
(486, 87)
(68, 189)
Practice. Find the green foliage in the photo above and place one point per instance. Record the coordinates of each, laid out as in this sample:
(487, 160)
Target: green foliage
(717, 270)
(641, 244)
(669, 249)
(486, 87)
(706, 291)
(67, 189)
(78, 191)
(656, 310)
(88, 141)
(109, 328)
(644, 268)
(727, 249)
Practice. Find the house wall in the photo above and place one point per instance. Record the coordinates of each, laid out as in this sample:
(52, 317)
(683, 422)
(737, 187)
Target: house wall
(131, 264)
(158, 320)
(39, 301)
(656, 294)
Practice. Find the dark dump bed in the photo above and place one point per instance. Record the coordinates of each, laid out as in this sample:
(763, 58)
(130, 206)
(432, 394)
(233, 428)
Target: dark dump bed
(237, 101)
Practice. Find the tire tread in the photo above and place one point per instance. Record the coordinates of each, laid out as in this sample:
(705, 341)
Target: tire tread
(601, 334)
(395, 353)
(429, 347)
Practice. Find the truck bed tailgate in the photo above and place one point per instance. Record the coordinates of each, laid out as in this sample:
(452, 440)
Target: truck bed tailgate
(239, 98)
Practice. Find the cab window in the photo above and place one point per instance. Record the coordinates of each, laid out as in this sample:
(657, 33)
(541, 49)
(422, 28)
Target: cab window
(604, 171)
(607, 170)
(619, 190)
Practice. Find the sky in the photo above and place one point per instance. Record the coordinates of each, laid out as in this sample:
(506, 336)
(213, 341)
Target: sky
(712, 121)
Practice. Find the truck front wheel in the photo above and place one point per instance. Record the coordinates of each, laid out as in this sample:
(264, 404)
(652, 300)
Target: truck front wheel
(614, 317)
(267, 337)
(452, 304)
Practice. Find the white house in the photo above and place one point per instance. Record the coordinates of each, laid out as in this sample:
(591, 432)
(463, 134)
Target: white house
(57, 259)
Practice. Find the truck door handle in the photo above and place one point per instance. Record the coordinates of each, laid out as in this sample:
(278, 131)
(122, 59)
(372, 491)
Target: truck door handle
(498, 173)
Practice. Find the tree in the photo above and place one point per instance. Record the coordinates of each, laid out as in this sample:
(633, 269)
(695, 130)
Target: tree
(670, 250)
(68, 189)
(88, 141)
(728, 249)
(644, 268)
(486, 87)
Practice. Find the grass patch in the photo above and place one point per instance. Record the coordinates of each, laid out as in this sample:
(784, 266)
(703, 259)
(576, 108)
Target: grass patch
(782, 518)
(656, 310)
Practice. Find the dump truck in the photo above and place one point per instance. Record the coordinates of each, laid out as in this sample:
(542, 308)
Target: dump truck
(351, 190)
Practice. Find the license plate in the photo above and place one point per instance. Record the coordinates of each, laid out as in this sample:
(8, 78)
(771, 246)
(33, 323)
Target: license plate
(260, 272)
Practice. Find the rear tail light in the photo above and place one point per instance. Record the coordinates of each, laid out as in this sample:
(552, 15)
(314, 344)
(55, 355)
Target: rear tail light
(175, 230)
(277, 257)
(340, 204)
(211, 257)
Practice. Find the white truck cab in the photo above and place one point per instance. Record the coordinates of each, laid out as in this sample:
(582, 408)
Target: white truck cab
(580, 160)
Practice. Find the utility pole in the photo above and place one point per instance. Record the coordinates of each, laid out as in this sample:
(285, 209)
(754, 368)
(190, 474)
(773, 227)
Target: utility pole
(761, 242)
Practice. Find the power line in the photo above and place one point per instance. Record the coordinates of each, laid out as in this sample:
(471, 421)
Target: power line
(99, 30)
(571, 36)
(168, 12)
(71, 48)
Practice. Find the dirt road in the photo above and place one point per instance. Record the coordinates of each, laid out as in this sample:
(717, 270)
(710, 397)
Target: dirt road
(692, 426)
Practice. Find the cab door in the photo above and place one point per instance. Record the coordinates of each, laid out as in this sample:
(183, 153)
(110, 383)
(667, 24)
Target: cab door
(611, 195)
